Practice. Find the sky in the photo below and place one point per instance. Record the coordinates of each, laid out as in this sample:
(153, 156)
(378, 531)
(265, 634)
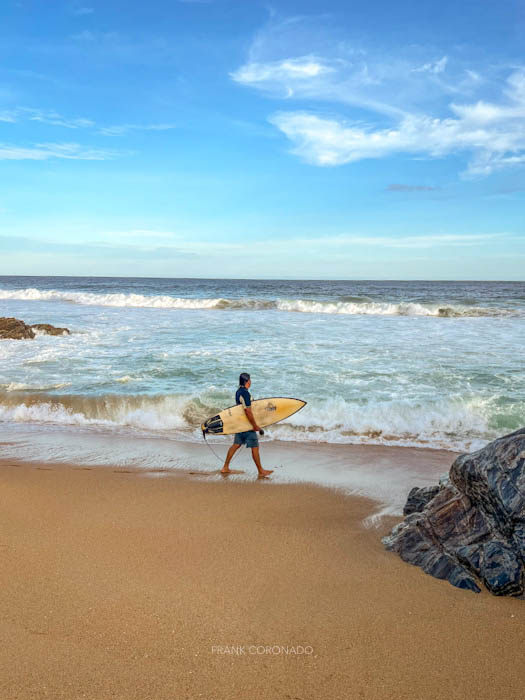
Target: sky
(217, 138)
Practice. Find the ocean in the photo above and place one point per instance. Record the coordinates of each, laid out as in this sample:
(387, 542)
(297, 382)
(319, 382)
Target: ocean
(419, 364)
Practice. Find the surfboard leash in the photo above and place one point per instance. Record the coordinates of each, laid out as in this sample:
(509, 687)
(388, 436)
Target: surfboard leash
(213, 451)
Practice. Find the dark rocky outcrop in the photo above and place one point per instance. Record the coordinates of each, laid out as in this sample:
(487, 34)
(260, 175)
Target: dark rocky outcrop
(470, 529)
(16, 329)
(418, 499)
(49, 329)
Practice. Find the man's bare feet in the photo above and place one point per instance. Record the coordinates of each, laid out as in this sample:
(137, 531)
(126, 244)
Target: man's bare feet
(225, 471)
(265, 472)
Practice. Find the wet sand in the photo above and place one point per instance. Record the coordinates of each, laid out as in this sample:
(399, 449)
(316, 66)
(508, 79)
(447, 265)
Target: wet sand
(154, 585)
(384, 473)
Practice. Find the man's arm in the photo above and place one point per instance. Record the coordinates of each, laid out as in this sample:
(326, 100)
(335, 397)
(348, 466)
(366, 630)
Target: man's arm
(249, 415)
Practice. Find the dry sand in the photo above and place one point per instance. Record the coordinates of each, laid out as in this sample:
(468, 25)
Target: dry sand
(122, 584)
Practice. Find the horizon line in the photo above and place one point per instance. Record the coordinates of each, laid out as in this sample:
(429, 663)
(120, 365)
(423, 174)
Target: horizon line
(268, 279)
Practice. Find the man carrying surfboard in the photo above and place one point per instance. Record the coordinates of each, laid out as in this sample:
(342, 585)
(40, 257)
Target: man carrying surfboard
(249, 437)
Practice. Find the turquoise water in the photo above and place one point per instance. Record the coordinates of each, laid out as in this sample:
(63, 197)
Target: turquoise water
(429, 364)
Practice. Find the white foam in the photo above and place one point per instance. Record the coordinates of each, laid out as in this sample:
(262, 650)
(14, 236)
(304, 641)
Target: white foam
(352, 308)
(446, 424)
(288, 305)
(145, 413)
(443, 424)
(127, 378)
(22, 386)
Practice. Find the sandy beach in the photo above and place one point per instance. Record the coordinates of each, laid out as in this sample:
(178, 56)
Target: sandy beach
(295, 226)
(153, 585)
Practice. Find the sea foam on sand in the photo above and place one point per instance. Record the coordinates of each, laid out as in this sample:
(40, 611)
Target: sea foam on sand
(384, 474)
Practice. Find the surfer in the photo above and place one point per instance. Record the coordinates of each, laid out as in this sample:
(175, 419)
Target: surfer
(249, 437)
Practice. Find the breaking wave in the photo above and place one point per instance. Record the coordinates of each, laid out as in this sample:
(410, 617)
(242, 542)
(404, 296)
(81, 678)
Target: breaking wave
(451, 424)
(348, 306)
(22, 386)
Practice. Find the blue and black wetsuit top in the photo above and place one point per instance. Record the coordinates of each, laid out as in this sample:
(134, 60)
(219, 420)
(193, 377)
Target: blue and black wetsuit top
(243, 397)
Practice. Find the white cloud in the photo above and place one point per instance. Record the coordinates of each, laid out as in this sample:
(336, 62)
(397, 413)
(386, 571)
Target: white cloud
(139, 233)
(55, 119)
(119, 129)
(488, 112)
(494, 134)
(338, 244)
(393, 103)
(473, 76)
(310, 58)
(424, 241)
(394, 187)
(419, 241)
(302, 67)
(8, 116)
(47, 117)
(46, 151)
(312, 77)
(435, 67)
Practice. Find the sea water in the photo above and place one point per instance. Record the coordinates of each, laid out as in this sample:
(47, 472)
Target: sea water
(423, 364)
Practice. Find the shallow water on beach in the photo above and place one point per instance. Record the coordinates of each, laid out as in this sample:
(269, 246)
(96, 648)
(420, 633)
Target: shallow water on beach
(424, 364)
(383, 474)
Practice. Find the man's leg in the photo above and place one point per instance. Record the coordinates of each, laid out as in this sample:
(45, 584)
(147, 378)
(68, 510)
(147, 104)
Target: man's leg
(233, 449)
(257, 460)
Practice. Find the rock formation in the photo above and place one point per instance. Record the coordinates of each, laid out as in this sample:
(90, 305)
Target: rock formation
(49, 329)
(470, 529)
(16, 329)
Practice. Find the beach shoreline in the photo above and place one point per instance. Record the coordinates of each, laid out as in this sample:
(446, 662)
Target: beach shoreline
(382, 473)
(141, 584)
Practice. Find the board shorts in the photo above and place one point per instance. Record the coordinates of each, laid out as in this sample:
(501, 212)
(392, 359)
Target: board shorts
(248, 438)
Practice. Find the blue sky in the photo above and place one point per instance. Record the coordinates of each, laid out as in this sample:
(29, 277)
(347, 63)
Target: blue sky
(236, 139)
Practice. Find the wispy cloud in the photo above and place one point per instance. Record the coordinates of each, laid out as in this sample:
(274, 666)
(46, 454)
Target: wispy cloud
(340, 244)
(46, 117)
(56, 119)
(119, 129)
(140, 233)
(348, 241)
(8, 116)
(399, 104)
(92, 249)
(280, 72)
(314, 77)
(435, 67)
(493, 134)
(410, 188)
(46, 151)
(304, 58)
(424, 241)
